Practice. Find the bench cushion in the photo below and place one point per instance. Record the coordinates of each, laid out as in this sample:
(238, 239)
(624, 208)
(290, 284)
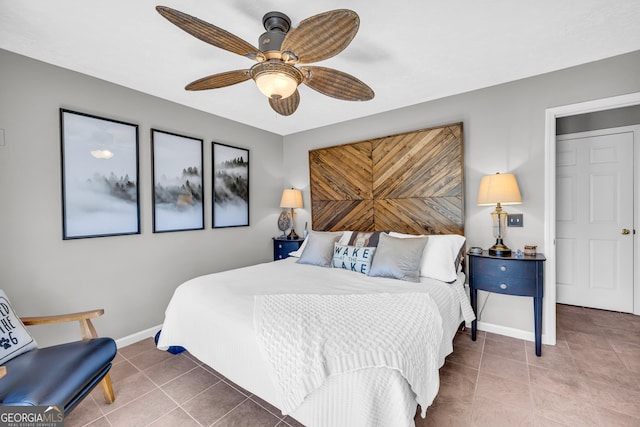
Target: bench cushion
(60, 375)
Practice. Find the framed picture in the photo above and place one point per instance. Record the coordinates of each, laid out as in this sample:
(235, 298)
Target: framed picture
(177, 182)
(100, 194)
(230, 186)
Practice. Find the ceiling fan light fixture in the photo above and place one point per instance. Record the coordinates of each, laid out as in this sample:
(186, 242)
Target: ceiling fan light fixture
(276, 85)
(276, 80)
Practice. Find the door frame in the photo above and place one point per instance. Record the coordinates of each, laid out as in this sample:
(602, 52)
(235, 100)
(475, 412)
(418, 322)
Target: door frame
(551, 114)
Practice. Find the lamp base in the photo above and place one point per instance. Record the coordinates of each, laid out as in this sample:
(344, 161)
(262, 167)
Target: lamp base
(292, 235)
(499, 249)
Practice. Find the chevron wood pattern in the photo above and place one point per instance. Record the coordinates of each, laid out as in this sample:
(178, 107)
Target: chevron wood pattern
(437, 215)
(418, 164)
(410, 183)
(339, 215)
(341, 173)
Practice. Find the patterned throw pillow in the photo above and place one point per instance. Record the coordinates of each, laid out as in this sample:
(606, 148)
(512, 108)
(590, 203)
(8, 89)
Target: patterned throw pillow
(14, 337)
(365, 238)
(353, 258)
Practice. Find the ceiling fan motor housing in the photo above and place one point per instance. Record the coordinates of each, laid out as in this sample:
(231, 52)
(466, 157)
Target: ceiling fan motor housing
(277, 25)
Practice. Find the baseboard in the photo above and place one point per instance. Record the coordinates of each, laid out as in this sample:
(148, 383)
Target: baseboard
(511, 332)
(138, 336)
(482, 326)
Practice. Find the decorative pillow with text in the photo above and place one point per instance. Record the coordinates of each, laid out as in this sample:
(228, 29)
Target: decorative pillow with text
(14, 337)
(353, 258)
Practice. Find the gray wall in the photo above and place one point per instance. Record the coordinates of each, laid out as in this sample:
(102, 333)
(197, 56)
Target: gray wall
(616, 117)
(131, 277)
(504, 131)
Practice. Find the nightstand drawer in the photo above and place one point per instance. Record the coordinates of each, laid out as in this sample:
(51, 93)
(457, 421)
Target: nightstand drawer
(523, 286)
(504, 276)
(504, 269)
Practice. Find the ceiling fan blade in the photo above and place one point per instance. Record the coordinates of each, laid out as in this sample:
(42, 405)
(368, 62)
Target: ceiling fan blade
(211, 34)
(219, 80)
(336, 84)
(321, 36)
(286, 106)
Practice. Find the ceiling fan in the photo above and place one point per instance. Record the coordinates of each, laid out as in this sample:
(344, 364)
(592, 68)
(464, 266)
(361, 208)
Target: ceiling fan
(317, 38)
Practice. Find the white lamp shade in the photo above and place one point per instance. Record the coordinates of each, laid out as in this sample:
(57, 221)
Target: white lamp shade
(278, 85)
(499, 188)
(291, 198)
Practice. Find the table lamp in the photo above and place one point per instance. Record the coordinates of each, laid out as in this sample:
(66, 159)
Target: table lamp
(291, 199)
(499, 189)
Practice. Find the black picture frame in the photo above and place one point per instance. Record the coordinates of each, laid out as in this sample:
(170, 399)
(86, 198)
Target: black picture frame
(100, 176)
(178, 182)
(230, 183)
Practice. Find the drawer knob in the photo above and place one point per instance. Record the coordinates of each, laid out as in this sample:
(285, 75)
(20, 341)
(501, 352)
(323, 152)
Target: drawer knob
(503, 268)
(279, 246)
(503, 286)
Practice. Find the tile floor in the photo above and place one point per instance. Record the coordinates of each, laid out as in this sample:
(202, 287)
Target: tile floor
(590, 378)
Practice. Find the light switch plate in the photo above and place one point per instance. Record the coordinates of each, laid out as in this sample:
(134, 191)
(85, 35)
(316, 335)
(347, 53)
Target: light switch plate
(514, 220)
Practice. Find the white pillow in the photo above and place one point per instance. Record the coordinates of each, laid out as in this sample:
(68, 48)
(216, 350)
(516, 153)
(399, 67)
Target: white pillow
(441, 257)
(343, 241)
(14, 337)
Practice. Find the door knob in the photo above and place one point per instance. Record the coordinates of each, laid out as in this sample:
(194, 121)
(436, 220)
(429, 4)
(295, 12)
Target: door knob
(625, 231)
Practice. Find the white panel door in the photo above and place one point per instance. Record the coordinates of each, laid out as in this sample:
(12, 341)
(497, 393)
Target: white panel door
(594, 219)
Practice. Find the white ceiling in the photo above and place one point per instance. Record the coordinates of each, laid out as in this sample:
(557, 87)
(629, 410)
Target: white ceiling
(408, 51)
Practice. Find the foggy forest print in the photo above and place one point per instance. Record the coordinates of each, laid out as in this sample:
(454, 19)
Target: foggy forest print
(100, 176)
(177, 182)
(230, 186)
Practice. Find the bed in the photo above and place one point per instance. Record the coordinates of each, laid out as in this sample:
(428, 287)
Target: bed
(266, 327)
(213, 317)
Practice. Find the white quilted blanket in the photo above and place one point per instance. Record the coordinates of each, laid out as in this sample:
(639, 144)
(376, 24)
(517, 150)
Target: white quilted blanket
(307, 338)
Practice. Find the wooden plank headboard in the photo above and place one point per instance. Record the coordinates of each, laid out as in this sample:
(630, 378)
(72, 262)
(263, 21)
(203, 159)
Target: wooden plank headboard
(410, 183)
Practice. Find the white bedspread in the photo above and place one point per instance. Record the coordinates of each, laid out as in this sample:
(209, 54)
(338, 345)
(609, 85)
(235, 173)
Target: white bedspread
(212, 316)
(308, 338)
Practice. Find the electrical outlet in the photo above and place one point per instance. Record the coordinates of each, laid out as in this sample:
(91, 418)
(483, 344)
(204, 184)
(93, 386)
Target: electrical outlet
(514, 220)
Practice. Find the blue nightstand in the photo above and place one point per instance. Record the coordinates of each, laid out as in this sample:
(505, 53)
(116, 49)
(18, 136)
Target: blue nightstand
(509, 275)
(282, 247)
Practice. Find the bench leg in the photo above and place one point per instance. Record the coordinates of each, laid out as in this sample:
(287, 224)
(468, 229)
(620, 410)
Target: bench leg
(107, 389)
